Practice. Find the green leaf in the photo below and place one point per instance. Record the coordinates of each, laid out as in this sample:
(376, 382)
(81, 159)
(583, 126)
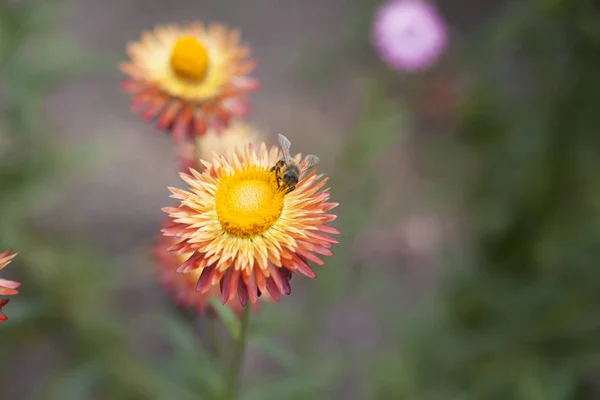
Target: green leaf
(180, 334)
(190, 363)
(229, 318)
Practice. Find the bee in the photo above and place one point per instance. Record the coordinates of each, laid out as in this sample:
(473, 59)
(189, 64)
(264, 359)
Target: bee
(287, 170)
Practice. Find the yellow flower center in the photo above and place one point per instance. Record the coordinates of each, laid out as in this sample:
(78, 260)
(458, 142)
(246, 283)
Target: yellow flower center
(248, 202)
(189, 58)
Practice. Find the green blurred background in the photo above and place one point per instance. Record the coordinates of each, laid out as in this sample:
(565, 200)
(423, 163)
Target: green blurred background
(470, 207)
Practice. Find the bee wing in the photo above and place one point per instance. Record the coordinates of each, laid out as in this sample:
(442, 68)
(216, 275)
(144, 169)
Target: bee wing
(310, 162)
(285, 145)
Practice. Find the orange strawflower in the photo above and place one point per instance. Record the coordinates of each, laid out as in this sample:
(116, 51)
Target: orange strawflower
(189, 79)
(182, 286)
(244, 234)
(7, 288)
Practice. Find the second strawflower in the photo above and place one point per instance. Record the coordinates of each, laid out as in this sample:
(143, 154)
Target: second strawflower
(7, 287)
(246, 231)
(189, 79)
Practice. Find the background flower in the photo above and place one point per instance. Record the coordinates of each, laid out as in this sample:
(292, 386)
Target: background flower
(237, 133)
(189, 79)
(7, 288)
(409, 34)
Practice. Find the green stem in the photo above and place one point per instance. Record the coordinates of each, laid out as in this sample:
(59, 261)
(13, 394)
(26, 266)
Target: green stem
(234, 376)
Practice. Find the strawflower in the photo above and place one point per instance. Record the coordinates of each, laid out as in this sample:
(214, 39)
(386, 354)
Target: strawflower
(238, 133)
(245, 235)
(182, 286)
(409, 34)
(7, 288)
(189, 78)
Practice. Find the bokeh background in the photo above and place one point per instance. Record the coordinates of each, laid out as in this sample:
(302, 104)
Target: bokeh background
(469, 206)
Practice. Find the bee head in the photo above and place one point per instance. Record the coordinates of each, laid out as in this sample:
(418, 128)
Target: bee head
(290, 179)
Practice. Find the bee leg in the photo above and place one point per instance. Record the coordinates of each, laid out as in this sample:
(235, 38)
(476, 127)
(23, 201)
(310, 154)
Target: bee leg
(289, 189)
(277, 177)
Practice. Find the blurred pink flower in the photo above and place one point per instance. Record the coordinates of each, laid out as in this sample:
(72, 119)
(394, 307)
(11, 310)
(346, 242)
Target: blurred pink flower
(409, 34)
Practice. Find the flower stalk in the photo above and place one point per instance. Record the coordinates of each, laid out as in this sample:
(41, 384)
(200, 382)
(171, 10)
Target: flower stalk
(234, 375)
